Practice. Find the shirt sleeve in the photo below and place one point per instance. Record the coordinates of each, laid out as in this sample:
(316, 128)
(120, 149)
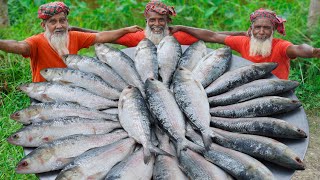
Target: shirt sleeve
(85, 39)
(235, 42)
(131, 39)
(184, 38)
(32, 41)
(283, 46)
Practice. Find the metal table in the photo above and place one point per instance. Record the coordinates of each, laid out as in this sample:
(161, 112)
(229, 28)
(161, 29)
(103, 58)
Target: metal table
(297, 117)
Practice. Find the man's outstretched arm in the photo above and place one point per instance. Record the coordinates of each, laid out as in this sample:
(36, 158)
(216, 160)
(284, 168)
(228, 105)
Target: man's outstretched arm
(16, 47)
(111, 36)
(202, 34)
(73, 28)
(303, 50)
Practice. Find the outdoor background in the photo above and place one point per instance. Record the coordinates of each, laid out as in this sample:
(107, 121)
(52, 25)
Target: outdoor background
(216, 15)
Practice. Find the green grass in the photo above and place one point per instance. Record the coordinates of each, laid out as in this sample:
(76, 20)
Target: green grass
(218, 15)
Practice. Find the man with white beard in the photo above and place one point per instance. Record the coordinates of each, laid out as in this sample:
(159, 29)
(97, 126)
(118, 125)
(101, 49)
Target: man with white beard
(259, 46)
(47, 49)
(158, 16)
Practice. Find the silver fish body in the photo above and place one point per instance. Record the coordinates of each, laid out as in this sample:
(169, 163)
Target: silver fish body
(97, 162)
(197, 167)
(192, 55)
(121, 63)
(88, 81)
(164, 107)
(212, 66)
(132, 167)
(238, 77)
(51, 110)
(193, 101)
(55, 92)
(145, 60)
(38, 133)
(237, 164)
(263, 106)
(169, 52)
(134, 117)
(92, 65)
(166, 167)
(260, 147)
(254, 89)
(58, 153)
(263, 126)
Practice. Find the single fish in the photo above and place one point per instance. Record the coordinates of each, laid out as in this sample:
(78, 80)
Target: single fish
(97, 162)
(145, 60)
(55, 92)
(44, 111)
(254, 89)
(38, 133)
(95, 66)
(58, 153)
(169, 52)
(88, 81)
(263, 106)
(192, 55)
(212, 66)
(238, 77)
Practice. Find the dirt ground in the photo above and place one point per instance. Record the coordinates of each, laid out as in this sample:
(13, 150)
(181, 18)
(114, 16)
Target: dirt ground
(312, 158)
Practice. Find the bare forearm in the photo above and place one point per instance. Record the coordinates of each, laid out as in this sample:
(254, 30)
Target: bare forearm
(233, 33)
(203, 34)
(111, 36)
(73, 28)
(13, 46)
(303, 50)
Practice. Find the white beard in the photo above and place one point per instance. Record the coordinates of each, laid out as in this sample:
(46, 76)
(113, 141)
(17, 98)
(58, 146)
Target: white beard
(58, 41)
(260, 47)
(156, 38)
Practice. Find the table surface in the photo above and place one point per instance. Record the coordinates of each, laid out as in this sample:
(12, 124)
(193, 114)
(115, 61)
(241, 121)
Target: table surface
(297, 118)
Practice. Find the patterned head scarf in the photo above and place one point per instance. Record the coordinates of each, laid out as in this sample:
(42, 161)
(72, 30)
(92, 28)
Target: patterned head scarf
(161, 8)
(277, 22)
(50, 9)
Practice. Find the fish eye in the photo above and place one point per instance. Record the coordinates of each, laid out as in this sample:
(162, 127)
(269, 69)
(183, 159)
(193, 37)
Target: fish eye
(16, 136)
(24, 163)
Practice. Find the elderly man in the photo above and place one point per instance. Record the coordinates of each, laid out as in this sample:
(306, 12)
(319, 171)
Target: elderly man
(46, 49)
(158, 16)
(259, 46)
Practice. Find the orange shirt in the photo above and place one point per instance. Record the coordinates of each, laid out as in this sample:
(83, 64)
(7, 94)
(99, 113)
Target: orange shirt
(241, 44)
(43, 56)
(132, 39)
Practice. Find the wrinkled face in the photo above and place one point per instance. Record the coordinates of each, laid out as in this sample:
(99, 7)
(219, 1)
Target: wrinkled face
(156, 22)
(57, 24)
(262, 29)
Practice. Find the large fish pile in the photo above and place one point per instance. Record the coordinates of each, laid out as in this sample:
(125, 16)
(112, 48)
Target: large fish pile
(162, 115)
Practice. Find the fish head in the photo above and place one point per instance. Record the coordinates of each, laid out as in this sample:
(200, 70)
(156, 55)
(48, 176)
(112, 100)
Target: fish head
(32, 88)
(25, 115)
(48, 73)
(23, 166)
(153, 85)
(71, 173)
(182, 74)
(18, 138)
(71, 59)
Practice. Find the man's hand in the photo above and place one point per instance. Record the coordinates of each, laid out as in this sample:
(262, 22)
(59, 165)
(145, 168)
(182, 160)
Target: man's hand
(316, 52)
(133, 29)
(173, 29)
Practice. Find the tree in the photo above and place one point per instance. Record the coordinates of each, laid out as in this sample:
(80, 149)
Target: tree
(4, 19)
(314, 13)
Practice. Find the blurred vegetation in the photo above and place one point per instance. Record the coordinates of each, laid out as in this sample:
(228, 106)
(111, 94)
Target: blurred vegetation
(217, 15)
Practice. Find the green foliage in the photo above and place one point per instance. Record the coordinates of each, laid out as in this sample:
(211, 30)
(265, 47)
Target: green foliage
(216, 15)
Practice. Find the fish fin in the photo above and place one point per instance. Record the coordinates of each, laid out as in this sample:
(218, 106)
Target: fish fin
(157, 150)
(206, 137)
(99, 175)
(65, 161)
(46, 97)
(146, 155)
(245, 99)
(65, 82)
(195, 147)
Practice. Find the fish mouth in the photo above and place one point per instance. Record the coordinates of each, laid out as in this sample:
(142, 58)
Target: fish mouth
(15, 116)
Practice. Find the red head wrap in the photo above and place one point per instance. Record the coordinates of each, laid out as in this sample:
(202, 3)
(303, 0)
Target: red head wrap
(50, 9)
(277, 22)
(159, 7)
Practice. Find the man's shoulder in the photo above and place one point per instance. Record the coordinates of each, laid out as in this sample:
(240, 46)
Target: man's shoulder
(237, 40)
(278, 41)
